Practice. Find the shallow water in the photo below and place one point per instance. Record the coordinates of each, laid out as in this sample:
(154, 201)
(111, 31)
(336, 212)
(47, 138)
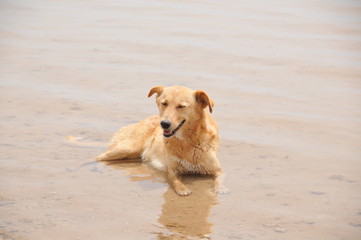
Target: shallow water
(285, 77)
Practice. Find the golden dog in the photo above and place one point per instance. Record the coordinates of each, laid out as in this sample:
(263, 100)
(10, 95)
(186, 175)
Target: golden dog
(183, 139)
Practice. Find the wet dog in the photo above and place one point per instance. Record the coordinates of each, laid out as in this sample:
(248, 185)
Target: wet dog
(183, 139)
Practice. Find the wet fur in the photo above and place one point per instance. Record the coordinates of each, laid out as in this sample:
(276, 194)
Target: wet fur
(193, 148)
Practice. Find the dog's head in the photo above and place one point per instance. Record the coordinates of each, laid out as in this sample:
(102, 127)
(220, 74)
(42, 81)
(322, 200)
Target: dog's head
(178, 106)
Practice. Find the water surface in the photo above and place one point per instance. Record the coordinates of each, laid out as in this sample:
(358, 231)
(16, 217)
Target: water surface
(285, 77)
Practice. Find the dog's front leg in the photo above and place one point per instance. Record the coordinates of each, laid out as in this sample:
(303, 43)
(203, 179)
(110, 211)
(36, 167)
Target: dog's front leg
(218, 175)
(178, 186)
(218, 183)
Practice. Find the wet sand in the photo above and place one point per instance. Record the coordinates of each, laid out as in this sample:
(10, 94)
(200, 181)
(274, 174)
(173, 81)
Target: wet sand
(286, 81)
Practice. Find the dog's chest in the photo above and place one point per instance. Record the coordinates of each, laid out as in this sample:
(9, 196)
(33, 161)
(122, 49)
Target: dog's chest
(187, 167)
(192, 158)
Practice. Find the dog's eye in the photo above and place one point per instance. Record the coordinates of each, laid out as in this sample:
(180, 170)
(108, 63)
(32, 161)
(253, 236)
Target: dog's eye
(164, 104)
(181, 106)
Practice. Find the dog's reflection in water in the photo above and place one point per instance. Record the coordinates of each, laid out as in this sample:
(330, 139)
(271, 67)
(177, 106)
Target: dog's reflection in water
(183, 217)
(188, 216)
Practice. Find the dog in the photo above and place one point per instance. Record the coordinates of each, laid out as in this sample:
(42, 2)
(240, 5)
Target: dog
(182, 140)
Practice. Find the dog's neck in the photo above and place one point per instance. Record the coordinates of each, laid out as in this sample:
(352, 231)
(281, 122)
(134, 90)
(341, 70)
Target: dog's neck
(194, 137)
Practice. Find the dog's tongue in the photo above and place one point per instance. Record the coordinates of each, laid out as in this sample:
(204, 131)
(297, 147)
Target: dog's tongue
(167, 132)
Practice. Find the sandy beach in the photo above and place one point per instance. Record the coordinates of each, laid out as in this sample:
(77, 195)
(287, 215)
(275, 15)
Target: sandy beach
(286, 80)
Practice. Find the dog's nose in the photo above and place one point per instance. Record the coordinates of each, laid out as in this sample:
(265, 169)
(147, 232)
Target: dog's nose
(165, 124)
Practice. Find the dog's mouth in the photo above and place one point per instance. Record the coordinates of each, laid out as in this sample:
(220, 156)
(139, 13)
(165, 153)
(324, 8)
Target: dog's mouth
(168, 134)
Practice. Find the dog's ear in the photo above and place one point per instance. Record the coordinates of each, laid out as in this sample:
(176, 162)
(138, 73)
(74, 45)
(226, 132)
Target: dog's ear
(203, 99)
(157, 90)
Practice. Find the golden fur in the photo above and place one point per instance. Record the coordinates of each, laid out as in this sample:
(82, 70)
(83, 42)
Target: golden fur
(188, 146)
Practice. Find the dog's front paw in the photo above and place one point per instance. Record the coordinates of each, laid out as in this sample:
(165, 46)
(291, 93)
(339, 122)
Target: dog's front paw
(182, 191)
(223, 190)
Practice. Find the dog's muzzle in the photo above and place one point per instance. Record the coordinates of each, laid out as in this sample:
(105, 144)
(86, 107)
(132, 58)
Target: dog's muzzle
(166, 124)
